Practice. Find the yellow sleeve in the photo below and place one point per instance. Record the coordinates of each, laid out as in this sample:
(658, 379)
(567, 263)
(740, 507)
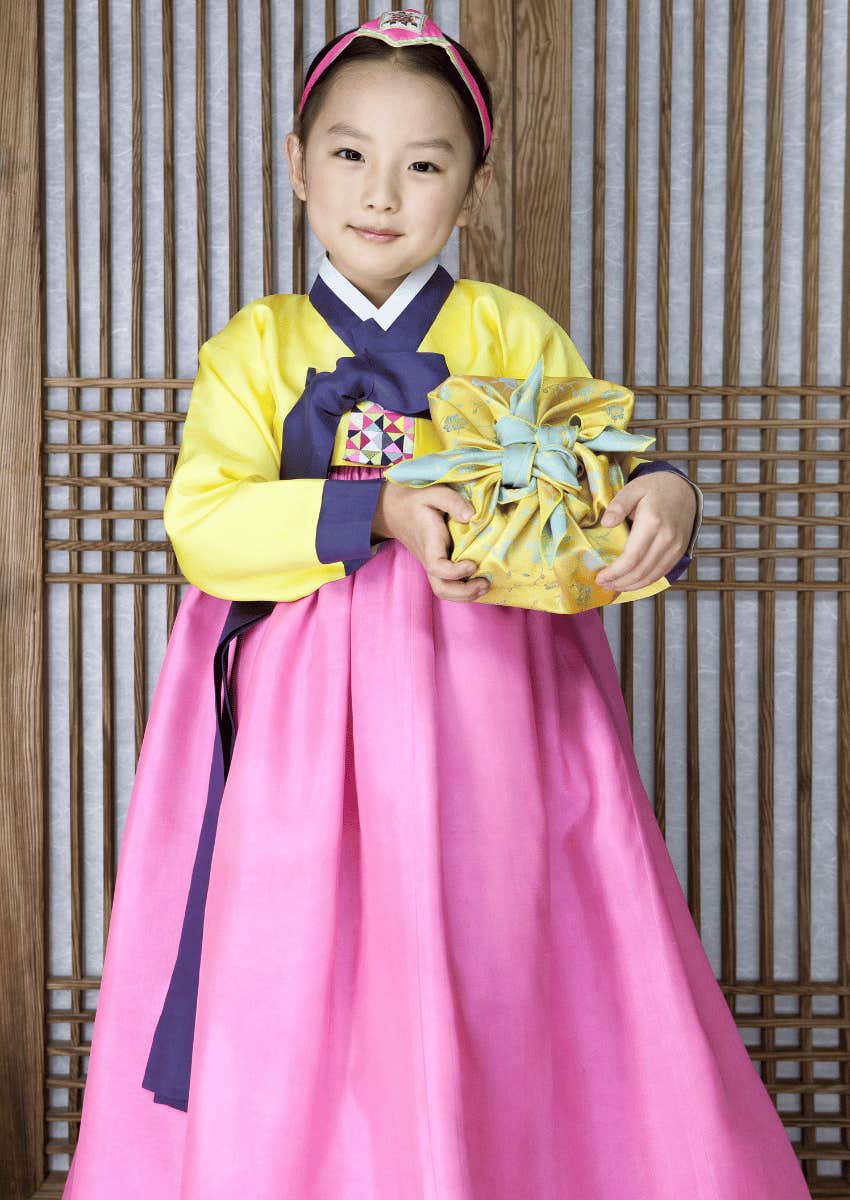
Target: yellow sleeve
(239, 531)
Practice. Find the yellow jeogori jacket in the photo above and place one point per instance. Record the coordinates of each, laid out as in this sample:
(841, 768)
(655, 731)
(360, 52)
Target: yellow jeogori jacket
(241, 532)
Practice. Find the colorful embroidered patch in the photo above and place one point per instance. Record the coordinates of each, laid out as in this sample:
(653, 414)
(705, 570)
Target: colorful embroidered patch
(377, 436)
(403, 18)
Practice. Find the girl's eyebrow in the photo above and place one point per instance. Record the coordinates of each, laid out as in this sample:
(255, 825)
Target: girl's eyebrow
(438, 143)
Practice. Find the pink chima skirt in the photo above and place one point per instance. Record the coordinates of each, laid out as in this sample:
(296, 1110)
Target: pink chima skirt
(446, 955)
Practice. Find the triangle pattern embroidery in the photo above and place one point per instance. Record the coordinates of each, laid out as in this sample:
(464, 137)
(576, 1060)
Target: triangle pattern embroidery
(377, 437)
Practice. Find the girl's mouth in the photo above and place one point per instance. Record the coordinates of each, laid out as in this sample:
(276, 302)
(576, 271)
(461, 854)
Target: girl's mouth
(372, 236)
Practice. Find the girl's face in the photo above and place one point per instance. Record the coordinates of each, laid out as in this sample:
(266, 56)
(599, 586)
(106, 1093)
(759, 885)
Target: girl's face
(363, 169)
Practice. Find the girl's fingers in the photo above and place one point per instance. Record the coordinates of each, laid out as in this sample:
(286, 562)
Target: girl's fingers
(643, 574)
(444, 568)
(461, 591)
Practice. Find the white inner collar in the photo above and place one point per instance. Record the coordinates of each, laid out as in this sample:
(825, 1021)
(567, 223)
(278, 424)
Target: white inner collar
(395, 304)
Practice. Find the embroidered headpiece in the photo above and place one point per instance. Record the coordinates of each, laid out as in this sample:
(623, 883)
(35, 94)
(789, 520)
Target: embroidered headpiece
(405, 27)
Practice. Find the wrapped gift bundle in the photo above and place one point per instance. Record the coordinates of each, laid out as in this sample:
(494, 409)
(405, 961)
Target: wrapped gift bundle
(539, 459)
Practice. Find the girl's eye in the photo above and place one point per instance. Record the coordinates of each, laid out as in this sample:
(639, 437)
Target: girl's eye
(421, 163)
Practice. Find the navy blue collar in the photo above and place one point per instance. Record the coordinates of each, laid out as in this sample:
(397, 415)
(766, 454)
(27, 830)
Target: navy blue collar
(407, 330)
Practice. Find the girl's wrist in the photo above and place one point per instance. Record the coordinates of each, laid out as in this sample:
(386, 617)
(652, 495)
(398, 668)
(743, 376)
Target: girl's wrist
(379, 523)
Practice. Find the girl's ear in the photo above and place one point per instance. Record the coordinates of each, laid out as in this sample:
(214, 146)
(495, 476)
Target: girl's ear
(295, 159)
(475, 196)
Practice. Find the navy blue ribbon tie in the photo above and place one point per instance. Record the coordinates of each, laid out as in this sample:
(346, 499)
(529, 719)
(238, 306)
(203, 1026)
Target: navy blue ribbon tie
(399, 380)
(385, 366)
(170, 1058)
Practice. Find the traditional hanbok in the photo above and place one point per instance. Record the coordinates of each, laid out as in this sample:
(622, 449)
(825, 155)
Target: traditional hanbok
(394, 919)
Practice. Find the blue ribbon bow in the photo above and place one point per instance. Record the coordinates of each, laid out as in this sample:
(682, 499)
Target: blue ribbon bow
(530, 449)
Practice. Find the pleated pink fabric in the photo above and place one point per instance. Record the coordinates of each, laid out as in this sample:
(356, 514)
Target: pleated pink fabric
(446, 954)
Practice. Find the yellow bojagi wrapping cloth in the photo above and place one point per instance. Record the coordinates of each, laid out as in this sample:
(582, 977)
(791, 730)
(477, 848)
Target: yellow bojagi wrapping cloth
(539, 459)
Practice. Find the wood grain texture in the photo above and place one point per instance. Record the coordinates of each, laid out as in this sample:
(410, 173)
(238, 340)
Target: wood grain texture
(266, 83)
(662, 374)
(767, 534)
(731, 375)
(169, 249)
(843, 658)
(696, 264)
(75, 676)
(486, 246)
(22, 692)
(630, 188)
(201, 169)
(107, 657)
(805, 565)
(233, 154)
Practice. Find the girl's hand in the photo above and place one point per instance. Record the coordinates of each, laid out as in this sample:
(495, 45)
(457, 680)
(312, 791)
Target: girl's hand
(662, 506)
(416, 517)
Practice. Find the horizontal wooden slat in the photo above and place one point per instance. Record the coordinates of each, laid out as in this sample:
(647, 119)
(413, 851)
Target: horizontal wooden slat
(639, 389)
(78, 544)
(60, 414)
(141, 514)
(108, 448)
(105, 481)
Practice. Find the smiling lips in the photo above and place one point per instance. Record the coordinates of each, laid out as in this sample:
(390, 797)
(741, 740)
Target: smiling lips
(377, 235)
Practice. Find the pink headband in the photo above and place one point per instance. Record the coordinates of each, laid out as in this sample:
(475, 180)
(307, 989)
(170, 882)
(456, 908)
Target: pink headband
(405, 27)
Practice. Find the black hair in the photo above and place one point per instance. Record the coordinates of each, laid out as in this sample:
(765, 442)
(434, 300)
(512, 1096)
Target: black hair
(427, 59)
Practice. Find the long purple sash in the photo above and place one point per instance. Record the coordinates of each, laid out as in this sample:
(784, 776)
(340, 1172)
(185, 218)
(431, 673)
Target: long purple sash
(170, 1059)
(386, 366)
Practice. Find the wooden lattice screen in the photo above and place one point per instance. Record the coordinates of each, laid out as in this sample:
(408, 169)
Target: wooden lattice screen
(772, 459)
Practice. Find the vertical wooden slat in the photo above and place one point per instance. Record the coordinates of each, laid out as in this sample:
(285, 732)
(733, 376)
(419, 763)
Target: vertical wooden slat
(806, 567)
(107, 673)
(566, 104)
(694, 410)
(486, 246)
(233, 151)
(842, 765)
(75, 673)
(597, 336)
(541, 202)
(630, 189)
(767, 566)
(201, 167)
(137, 367)
(299, 209)
(22, 689)
(731, 373)
(662, 369)
(597, 291)
(266, 122)
(169, 250)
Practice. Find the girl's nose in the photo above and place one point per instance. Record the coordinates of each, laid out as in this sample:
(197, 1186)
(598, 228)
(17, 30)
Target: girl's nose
(380, 191)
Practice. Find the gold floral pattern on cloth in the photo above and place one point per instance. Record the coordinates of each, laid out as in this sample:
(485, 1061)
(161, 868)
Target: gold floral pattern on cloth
(539, 459)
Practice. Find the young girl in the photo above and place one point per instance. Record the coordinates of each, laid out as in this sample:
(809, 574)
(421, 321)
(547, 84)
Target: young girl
(414, 933)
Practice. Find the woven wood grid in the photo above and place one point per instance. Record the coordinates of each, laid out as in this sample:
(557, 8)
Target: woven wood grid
(772, 459)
